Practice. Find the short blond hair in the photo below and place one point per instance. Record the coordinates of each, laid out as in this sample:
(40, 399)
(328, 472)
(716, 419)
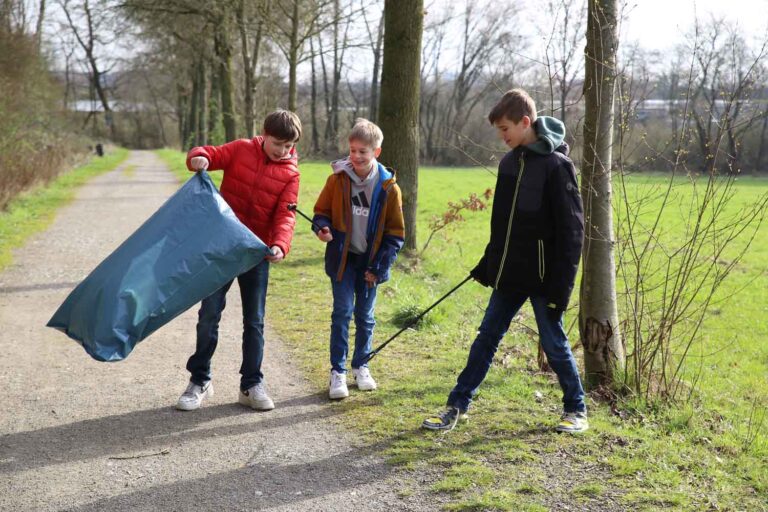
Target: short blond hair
(367, 132)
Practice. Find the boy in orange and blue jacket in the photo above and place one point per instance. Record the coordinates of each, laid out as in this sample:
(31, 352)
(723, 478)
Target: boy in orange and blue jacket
(360, 216)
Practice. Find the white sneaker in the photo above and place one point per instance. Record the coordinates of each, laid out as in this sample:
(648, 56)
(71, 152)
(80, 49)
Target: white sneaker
(364, 379)
(256, 397)
(573, 422)
(338, 386)
(193, 396)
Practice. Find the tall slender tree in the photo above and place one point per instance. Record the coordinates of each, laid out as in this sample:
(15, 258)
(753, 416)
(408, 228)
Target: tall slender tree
(399, 103)
(598, 315)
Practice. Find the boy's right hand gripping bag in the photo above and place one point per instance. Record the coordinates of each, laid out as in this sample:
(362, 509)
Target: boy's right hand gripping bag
(187, 250)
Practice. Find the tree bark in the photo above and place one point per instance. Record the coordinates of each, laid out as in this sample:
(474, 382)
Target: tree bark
(293, 57)
(250, 61)
(598, 315)
(39, 25)
(399, 104)
(313, 101)
(374, 105)
(223, 49)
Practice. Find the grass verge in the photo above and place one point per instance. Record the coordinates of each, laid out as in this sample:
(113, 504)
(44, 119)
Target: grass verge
(32, 211)
(708, 455)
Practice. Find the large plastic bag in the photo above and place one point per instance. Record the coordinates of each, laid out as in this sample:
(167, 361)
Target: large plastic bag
(187, 250)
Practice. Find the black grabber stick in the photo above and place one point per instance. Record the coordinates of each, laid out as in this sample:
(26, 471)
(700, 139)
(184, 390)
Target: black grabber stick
(413, 322)
(292, 207)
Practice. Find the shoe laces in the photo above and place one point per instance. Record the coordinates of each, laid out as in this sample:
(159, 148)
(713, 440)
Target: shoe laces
(572, 417)
(337, 379)
(456, 414)
(259, 389)
(193, 390)
(363, 373)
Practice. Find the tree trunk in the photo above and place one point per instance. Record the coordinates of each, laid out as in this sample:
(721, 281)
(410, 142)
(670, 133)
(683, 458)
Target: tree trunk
(181, 115)
(293, 57)
(399, 104)
(247, 74)
(39, 26)
(224, 55)
(761, 147)
(313, 102)
(214, 108)
(598, 315)
(333, 118)
(192, 135)
(374, 105)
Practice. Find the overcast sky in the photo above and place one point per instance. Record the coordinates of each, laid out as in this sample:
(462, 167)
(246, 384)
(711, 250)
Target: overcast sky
(660, 24)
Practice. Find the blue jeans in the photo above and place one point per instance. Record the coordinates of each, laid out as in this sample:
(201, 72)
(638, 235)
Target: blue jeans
(502, 307)
(253, 292)
(352, 295)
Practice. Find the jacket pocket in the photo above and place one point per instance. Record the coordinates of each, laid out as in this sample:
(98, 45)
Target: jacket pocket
(542, 266)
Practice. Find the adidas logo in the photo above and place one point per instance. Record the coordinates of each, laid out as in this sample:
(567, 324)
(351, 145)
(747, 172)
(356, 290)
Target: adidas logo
(360, 205)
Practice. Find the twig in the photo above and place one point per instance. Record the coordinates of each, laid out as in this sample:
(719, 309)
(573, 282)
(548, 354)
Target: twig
(164, 451)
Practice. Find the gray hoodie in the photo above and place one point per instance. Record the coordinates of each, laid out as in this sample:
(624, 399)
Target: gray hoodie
(361, 193)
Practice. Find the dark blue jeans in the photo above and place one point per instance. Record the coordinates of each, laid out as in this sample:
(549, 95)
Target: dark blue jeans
(352, 295)
(502, 307)
(253, 292)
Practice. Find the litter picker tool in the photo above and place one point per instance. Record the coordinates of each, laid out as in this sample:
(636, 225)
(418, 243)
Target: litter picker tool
(413, 322)
(292, 207)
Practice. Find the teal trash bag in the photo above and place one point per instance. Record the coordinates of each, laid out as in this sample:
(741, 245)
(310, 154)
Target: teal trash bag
(187, 250)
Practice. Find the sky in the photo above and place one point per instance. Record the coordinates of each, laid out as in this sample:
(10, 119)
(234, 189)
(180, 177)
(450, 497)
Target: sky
(660, 24)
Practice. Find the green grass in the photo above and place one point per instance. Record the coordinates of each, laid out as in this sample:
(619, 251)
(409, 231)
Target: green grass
(707, 455)
(34, 210)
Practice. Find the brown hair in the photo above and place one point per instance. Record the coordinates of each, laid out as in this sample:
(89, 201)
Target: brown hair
(367, 132)
(283, 125)
(515, 104)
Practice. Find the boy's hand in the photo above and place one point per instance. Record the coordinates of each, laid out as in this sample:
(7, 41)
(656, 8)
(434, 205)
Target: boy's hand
(370, 279)
(325, 235)
(198, 163)
(277, 255)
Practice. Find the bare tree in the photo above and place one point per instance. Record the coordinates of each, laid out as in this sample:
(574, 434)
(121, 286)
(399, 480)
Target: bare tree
(563, 58)
(93, 26)
(250, 53)
(598, 315)
(376, 41)
(291, 25)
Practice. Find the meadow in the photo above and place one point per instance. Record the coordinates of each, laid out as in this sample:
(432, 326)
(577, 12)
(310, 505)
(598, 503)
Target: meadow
(707, 453)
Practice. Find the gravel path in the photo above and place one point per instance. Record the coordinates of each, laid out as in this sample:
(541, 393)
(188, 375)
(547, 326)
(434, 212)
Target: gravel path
(76, 434)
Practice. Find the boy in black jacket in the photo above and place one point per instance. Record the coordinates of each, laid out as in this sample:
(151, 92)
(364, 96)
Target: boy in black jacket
(537, 230)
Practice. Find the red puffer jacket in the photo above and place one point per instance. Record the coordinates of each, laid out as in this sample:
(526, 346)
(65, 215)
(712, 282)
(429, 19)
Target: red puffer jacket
(258, 189)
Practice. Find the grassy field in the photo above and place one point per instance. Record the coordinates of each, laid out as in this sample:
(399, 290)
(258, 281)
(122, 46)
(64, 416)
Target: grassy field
(33, 211)
(709, 455)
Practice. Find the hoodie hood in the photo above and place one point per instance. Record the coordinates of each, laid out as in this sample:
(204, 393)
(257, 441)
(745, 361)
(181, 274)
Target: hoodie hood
(550, 133)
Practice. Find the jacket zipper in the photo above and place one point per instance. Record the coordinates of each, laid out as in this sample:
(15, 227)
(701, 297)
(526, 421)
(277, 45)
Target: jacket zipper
(541, 260)
(509, 224)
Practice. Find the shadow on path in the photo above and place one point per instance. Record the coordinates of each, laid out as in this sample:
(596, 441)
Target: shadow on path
(145, 430)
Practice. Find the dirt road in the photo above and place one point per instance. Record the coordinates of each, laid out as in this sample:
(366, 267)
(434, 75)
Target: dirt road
(76, 434)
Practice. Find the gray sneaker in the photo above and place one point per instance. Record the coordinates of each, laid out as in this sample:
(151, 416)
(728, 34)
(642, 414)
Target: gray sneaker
(193, 396)
(256, 397)
(573, 422)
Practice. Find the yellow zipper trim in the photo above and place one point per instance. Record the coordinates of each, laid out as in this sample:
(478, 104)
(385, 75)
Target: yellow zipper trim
(509, 224)
(541, 260)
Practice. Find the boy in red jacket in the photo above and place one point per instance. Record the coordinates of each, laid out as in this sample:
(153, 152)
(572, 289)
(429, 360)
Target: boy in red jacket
(261, 179)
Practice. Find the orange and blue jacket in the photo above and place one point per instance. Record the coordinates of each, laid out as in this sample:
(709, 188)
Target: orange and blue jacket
(386, 226)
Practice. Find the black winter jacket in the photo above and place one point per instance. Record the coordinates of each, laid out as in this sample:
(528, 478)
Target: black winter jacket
(537, 227)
